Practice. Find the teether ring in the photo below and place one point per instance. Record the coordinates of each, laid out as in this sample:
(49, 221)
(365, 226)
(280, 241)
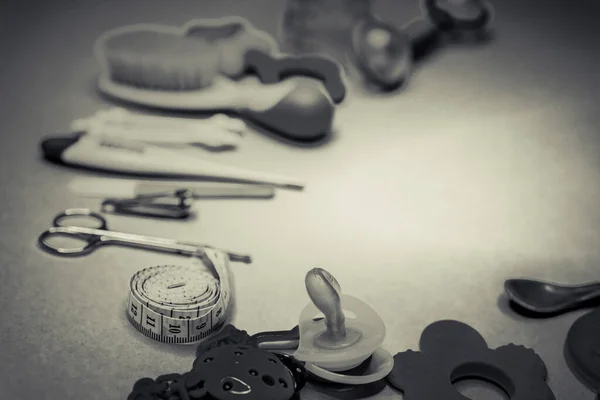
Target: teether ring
(451, 351)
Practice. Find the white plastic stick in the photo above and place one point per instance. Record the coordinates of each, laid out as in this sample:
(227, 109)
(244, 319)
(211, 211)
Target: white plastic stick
(213, 138)
(216, 131)
(219, 120)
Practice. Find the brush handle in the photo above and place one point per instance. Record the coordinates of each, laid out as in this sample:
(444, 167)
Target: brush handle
(272, 69)
(298, 111)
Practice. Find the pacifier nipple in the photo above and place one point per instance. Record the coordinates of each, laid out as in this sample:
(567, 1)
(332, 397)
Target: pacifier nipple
(325, 293)
(350, 332)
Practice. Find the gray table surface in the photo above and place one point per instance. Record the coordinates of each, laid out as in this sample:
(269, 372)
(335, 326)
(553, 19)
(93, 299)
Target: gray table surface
(486, 167)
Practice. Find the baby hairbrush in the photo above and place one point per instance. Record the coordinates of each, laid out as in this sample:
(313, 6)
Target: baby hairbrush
(221, 65)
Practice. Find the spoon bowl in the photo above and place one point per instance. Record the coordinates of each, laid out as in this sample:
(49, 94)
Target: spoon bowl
(550, 298)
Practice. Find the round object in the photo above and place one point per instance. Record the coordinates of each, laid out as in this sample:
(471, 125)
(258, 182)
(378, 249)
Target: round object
(582, 349)
(304, 115)
(382, 53)
(459, 15)
(180, 304)
(451, 351)
(233, 372)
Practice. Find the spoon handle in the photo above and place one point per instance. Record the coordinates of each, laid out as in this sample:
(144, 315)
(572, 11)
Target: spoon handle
(586, 288)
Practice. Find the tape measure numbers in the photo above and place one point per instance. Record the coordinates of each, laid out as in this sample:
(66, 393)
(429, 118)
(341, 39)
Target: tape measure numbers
(181, 304)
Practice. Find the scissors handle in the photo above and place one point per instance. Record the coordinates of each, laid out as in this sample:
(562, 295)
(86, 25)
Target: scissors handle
(91, 241)
(60, 228)
(95, 237)
(80, 212)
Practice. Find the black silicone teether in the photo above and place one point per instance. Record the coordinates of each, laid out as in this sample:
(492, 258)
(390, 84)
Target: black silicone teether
(299, 373)
(227, 336)
(167, 386)
(452, 351)
(233, 371)
(582, 349)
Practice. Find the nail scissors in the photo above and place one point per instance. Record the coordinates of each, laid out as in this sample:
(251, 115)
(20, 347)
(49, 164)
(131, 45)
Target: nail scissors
(96, 237)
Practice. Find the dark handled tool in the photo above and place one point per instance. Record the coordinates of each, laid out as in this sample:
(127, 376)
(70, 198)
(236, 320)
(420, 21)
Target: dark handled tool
(271, 69)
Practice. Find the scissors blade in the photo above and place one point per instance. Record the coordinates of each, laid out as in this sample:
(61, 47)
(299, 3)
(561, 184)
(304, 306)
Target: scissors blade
(129, 238)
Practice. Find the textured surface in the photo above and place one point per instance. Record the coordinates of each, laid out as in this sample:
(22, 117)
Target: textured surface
(486, 167)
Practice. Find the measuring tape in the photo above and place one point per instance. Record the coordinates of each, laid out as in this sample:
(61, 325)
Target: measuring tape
(180, 304)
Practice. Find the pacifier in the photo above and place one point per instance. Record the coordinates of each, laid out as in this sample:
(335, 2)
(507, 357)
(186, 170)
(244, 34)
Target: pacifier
(340, 332)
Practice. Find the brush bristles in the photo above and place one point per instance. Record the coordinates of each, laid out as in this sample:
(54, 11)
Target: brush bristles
(233, 41)
(161, 61)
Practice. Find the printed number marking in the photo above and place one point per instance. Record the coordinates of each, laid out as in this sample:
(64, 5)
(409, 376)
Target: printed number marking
(150, 321)
(201, 326)
(134, 309)
(174, 329)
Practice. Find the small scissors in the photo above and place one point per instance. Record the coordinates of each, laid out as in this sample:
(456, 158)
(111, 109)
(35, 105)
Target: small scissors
(96, 237)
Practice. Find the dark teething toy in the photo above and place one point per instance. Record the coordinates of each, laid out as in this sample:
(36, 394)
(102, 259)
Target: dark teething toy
(452, 351)
(231, 335)
(233, 372)
(229, 366)
(582, 349)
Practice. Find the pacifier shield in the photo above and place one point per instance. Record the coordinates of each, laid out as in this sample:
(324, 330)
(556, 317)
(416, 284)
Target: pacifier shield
(452, 351)
(233, 371)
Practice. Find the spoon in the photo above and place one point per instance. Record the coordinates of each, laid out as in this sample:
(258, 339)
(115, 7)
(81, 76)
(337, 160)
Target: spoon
(550, 298)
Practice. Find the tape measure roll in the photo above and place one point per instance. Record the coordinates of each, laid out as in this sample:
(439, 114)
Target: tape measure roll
(180, 304)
